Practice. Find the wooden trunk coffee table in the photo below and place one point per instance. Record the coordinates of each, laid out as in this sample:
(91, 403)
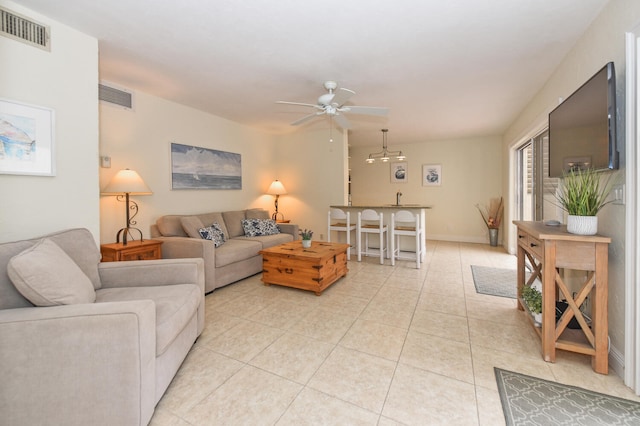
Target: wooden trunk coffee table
(314, 269)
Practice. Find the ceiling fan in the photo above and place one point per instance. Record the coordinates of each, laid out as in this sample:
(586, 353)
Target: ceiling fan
(333, 105)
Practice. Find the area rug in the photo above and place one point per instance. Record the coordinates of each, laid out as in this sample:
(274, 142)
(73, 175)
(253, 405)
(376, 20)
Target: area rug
(531, 401)
(495, 281)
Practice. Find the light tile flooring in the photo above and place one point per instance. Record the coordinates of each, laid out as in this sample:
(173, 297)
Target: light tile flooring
(383, 346)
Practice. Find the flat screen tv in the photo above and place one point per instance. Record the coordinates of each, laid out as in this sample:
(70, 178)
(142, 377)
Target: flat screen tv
(582, 129)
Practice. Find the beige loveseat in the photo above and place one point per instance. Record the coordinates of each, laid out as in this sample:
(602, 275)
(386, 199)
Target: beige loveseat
(105, 340)
(237, 258)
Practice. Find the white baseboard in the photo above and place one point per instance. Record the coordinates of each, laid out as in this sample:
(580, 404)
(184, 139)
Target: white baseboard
(460, 239)
(616, 361)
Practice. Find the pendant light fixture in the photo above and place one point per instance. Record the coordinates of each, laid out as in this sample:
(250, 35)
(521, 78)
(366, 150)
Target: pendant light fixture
(385, 154)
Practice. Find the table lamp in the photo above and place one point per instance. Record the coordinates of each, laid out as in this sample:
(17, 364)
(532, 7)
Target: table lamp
(125, 183)
(276, 188)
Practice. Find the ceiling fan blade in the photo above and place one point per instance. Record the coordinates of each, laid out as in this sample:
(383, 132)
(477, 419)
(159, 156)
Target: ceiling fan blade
(299, 103)
(341, 96)
(342, 121)
(380, 111)
(306, 118)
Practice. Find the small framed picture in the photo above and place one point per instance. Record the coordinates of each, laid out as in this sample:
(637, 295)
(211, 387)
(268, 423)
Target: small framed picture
(399, 172)
(431, 174)
(26, 139)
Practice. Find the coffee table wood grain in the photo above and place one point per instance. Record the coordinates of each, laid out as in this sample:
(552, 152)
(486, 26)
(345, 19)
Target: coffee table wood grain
(313, 269)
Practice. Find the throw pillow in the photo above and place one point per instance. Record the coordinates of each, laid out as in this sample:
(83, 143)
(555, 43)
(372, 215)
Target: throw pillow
(259, 227)
(213, 233)
(47, 276)
(191, 225)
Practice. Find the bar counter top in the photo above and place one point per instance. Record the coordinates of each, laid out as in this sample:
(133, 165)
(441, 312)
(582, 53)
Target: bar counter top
(385, 206)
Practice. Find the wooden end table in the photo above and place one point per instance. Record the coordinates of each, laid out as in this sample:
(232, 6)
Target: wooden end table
(313, 269)
(134, 250)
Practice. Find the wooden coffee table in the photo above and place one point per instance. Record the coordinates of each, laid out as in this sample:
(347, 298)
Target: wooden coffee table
(314, 269)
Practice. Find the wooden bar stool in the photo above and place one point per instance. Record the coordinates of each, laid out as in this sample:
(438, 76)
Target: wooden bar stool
(340, 221)
(371, 222)
(404, 223)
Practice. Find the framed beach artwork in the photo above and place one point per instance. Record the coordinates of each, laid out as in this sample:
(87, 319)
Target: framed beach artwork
(399, 172)
(26, 139)
(193, 167)
(431, 174)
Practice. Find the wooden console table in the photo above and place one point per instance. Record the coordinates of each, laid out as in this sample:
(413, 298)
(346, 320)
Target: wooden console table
(548, 249)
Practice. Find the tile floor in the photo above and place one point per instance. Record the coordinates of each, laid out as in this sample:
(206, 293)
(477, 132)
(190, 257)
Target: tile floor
(383, 346)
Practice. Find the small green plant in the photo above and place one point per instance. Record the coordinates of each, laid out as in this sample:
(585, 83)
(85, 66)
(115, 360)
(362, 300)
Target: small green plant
(306, 234)
(583, 193)
(533, 299)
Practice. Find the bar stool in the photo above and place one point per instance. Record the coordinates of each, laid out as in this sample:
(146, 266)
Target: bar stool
(343, 224)
(366, 226)
(405, 223)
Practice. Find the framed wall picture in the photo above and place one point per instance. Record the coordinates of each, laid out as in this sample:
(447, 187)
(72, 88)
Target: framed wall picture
(193, 167)
(431, 174)
(399, 172)
(26, 139)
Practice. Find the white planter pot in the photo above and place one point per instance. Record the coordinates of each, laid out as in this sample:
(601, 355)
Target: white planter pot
(537, 318)
(582, 225)
(306, 243)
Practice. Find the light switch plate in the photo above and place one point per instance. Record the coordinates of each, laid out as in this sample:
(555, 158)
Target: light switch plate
(105, 162)
(618, 194)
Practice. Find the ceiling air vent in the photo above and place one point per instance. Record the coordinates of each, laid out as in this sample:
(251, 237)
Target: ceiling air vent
(23, 29)
(115, 96)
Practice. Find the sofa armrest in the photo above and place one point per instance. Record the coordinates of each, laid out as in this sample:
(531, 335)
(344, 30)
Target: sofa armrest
(78, 364)
(186, 247)
(143, 273)
(289, 228)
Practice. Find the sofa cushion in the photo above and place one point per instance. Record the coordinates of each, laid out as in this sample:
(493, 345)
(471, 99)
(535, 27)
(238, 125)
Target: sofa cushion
(171, 226)
(258, 214)
(272, 240)
(209, 218)
(192, 225)
(47, 276)
(233, 221)
(259, 227)
(235, 250)
(213, 233)
(175, 306)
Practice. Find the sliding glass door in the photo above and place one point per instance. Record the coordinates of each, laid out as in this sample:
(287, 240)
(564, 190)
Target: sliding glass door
(534, 189)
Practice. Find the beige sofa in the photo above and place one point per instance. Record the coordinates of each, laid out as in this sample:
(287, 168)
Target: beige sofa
(234, 260)
(107, 354)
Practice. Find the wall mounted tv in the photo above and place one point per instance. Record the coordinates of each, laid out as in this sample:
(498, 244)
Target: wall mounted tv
(582, 129)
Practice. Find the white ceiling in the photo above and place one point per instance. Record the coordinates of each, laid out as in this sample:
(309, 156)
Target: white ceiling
(445, 68)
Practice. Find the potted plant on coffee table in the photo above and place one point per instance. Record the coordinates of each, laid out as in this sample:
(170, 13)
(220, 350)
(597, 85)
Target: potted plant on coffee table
(582, 194)
(306, 235)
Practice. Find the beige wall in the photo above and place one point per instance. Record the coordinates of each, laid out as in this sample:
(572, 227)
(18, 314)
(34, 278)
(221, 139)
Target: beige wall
(471, 174)
(604, 41)
(314, 172)
(64, 80)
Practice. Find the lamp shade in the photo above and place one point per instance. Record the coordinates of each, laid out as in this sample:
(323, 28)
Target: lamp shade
(126, 182)
(276, 188)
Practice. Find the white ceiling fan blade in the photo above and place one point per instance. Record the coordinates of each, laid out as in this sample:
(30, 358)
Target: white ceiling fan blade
(341, 96)
(379, 111)
(342, 121)
(306, 118)
(299, 103)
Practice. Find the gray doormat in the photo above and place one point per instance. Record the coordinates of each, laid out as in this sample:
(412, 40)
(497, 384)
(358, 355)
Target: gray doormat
(531, 401)
(495, 281)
